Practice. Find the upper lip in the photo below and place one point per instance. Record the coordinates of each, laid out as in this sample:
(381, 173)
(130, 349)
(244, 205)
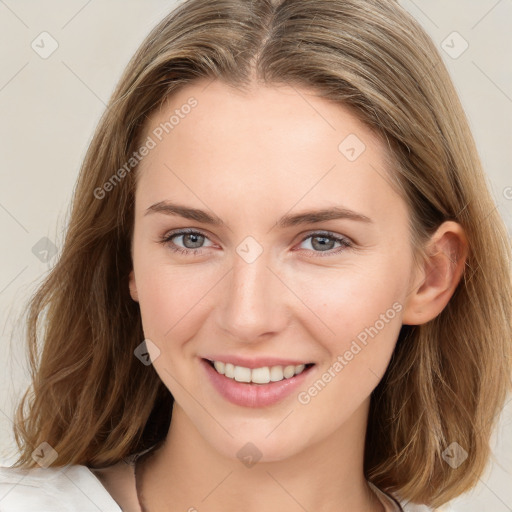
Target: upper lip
(257, 362)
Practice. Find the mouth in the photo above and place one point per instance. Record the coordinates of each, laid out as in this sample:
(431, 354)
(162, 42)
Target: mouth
(259, 386)
(262, 375)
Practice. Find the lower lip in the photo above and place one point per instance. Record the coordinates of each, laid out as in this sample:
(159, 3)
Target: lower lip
(250, 394)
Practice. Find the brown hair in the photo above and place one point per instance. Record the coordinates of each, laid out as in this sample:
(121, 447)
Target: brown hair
(95, 403)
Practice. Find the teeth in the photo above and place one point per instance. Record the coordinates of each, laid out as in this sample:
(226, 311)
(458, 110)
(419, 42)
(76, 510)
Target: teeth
(229, 370)
(242, 374)
(262, 375)
(220, 367)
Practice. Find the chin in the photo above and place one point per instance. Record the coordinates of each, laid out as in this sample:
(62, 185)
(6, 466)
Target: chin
(258, 445)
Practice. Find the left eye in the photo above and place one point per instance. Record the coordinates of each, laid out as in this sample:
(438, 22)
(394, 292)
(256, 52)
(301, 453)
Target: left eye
(324, 242)
(193, 240)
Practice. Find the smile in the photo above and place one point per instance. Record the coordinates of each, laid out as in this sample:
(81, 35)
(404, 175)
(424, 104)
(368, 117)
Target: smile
(260, 386)
(262, 375)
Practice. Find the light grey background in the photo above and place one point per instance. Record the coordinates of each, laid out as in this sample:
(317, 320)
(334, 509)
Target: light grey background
(49, 108)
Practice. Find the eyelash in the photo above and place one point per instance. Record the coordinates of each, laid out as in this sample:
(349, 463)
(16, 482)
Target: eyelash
(345, 242)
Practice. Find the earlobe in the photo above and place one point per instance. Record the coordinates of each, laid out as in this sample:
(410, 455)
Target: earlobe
(133, 287)
(436, 281)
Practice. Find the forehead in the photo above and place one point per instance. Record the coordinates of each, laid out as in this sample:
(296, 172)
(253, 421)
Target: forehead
(280, 143)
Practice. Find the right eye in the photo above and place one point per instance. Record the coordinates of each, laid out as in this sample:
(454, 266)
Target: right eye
(189, 237)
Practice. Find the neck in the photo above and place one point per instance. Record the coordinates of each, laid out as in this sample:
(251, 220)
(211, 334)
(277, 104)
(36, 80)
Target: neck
(191, 475)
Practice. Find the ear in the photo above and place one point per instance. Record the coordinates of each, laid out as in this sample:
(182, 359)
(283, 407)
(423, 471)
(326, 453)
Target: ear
(133, 287)
(434, 283)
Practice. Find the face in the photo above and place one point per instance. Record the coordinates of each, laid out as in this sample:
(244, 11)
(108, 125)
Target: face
(254, 281)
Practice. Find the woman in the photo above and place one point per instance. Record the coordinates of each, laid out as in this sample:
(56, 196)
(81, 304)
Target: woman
(284, 284)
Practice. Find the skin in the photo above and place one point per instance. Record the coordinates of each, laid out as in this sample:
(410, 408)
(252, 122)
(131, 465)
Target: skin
(250, 159)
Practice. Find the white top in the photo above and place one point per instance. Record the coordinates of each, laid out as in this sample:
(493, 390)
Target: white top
(76, 487)
(63, 489)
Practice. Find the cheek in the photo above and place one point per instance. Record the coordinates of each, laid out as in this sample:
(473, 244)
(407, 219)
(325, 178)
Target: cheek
(348, 299)
(357, 324)
(170, 299)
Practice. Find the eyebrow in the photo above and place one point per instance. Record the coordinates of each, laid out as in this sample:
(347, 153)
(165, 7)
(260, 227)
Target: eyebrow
(307, 217)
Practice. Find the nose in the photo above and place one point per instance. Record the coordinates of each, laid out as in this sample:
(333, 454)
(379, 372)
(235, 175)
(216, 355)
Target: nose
(254, 304)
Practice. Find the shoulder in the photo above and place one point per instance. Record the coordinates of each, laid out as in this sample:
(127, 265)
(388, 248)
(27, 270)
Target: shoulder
(414, 507)
(395, 503)
(54, 489)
